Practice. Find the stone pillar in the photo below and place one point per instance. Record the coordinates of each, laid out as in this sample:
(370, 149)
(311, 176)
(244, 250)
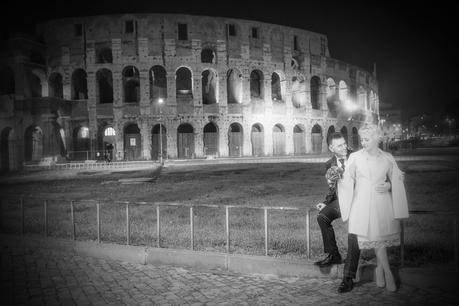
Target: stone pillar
(145, 102)
(268, 139)
(65, 59)
(247, 140)
(221, 53)
(171, 129)
(145, 139)
(308, 139)
(117, 88)
(223, 139)
(171, 89)
(197, 88)
(90, 52)
(66, 83)
(289, 150)
(116, 51)
(143, 49)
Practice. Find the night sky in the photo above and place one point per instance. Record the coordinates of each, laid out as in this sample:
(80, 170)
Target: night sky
(413, 45)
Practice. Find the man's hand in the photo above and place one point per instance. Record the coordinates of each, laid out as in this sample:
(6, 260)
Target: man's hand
(320, 206)
(383, 187)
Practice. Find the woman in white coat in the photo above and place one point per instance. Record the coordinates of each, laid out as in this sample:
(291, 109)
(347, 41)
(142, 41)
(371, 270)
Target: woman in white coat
(372, 197)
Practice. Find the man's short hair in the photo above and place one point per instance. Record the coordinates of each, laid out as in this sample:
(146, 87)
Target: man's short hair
(334, 135)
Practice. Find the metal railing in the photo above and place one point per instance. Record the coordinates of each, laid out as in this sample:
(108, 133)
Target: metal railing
(158, 205)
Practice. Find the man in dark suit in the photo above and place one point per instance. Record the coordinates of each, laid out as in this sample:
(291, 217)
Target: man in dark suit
(329, 208)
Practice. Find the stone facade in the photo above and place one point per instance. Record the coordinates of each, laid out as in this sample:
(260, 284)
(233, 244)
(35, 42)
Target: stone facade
(229, 88)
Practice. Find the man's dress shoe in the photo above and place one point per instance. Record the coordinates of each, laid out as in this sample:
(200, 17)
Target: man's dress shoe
(331, 259)
(346, 285)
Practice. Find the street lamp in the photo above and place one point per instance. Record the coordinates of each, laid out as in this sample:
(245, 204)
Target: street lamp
(160, 102)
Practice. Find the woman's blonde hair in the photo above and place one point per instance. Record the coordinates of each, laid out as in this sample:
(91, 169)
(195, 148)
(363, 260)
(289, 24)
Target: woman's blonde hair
(371, 130)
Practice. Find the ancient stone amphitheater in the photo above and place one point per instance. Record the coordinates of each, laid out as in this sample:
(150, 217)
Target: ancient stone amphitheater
(112, 86)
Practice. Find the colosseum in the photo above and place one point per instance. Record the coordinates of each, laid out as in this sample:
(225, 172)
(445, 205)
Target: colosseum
(144, 86)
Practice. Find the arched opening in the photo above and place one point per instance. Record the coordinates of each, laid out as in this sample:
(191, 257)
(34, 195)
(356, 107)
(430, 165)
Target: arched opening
(104, 86)
(278, 140)
(132, 142)
(298, 91)
(332, 98)
(256, 84)
(235, 140)
(7, 84)
(315, 92)
(185, 141)
(33, 143)
(109, 143)
(104, 55)
(131, 85)
(81, 143)
(299, 140)
(158, 132)
(211, 139)
(258, 140)
(330, 131)
(79, 85)
(355, 139)
(183, 82)
(55, 85)
(316, 139)
(208, 56)
(344, 133)
(8, 150)
(209, 87)
(158, 83)
(234, 86)
(276, 87)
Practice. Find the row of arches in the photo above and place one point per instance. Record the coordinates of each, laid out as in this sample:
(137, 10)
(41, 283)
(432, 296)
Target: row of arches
(336, 95)
(185, 134)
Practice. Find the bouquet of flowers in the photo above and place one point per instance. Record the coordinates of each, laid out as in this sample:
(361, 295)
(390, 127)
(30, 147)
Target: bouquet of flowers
(334, 173)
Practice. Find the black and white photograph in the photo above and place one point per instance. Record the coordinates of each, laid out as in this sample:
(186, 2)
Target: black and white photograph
(229, 153)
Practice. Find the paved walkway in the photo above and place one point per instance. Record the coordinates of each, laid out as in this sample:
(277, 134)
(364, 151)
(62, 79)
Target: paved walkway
(49, 277)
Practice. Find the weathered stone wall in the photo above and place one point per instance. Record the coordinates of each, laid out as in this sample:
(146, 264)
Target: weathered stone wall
(154, 41)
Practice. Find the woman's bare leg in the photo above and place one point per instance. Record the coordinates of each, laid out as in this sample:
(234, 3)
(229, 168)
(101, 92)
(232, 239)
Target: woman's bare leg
(379, 272)
(388, 277)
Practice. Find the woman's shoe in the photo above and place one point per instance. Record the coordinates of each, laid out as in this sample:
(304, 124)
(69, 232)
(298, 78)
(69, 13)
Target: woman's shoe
(390, 282)
(379, 276)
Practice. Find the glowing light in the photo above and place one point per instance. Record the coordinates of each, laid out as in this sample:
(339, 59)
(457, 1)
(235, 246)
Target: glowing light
(350, 105)
(160, 101)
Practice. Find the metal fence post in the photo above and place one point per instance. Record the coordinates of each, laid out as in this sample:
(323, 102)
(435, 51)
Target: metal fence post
(402, 243)
(227, 229)
(72, 216)
(308, 235)
(192, 227)
(158, 228)
(98, 221)
(21, 201)
(266, 231)
(128, 225)
(45, 208)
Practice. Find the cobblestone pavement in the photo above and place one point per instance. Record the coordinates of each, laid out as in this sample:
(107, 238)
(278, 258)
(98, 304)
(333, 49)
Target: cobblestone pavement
(49, 277)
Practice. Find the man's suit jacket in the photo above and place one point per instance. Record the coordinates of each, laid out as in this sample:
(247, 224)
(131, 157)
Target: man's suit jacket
(331, 194)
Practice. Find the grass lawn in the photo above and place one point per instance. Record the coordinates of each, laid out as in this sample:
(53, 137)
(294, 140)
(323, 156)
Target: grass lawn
(431, 185)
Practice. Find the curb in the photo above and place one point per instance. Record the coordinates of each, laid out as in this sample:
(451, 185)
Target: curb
(247, 264)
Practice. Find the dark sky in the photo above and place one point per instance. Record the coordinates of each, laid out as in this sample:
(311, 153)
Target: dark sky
(413, 45)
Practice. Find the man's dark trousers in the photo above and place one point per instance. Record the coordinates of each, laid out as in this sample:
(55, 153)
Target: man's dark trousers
(353, 255)
(325, 217)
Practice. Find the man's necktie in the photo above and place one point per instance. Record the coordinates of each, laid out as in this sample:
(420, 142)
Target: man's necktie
(341, 160)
